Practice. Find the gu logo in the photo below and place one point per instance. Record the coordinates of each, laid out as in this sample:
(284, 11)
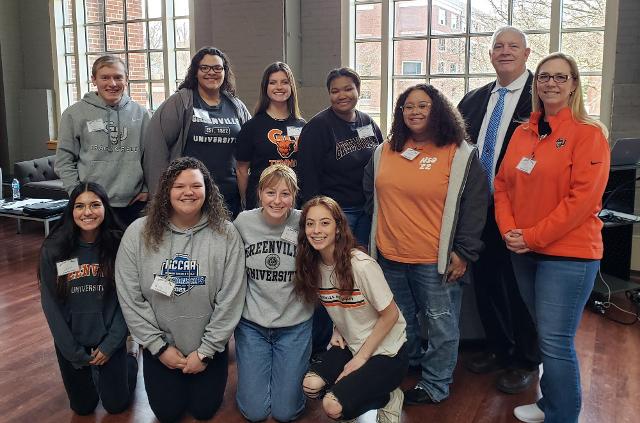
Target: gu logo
(285, 144)
(114, 136)
(560, 142)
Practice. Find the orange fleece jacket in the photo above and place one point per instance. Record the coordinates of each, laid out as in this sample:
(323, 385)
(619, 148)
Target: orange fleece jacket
(557, 204)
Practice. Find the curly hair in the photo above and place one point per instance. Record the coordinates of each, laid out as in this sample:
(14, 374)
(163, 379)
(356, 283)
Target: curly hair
(445, 124)
(64, 239)
(307, 278)
(159, 210)
(191, 78)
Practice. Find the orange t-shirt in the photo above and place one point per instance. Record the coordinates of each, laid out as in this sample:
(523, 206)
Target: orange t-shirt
(411, 196)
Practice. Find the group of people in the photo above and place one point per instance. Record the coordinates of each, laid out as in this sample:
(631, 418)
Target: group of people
(336, 258)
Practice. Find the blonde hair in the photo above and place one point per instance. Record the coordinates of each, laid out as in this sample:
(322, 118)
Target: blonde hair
(275, 173)
(576, 102)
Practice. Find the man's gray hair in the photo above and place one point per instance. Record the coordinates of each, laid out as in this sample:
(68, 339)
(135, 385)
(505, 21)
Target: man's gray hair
(507, 28)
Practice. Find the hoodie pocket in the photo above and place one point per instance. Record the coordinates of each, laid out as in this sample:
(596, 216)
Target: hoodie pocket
(124, 178)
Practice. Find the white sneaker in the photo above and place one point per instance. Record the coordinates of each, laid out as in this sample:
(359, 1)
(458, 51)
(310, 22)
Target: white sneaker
(530, 413)
(391, 412)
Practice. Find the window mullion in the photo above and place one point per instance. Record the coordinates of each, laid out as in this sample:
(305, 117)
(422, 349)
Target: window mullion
(555, 42)
(386, 65)
(79, 27)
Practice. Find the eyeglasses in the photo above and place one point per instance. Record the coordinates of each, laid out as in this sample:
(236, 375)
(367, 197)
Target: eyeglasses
(91, 206)
(207, 68)
(559, 78)
(423, 107)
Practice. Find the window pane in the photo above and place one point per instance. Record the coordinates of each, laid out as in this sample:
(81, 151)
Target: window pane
(409, 51)
(157, 66)
(155, 9)
(95, 38)
(399, 85)
(528, 14)
(591, 92)
(183, 58)
(452, 88)
(368, 58)
(586, 48)
(488, 15)
(71, 93)
(137, 66)
(181, 7)
(368, 20)
(114, 10)
(69, 39)
(115, 37)
(155, 35)
(90, 59)
(67, 11)
(448, 17)
(157, 94)
(138, 92)
(479, 60)
(447, 57)
(94, 10)
(539, 45)
(135, 9)
(411, 17)
(581, 13)
(71, 67)
(369, 96)
(182, 33)
(137, 35)
(479, 82)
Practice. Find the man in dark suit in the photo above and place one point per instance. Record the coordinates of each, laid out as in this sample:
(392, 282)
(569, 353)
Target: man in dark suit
(492, 113)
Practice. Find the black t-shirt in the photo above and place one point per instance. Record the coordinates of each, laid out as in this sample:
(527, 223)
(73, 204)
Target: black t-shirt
(264, 141)
(332, 154)
(212, 140)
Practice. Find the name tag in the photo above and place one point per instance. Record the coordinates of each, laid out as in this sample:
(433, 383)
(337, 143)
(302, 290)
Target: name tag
(67, 266)
(95, 125)
(526, 165)
(290, 235)
(410, 154)
(293, 131)
(201, 114)
(163, 286)
(365, 131)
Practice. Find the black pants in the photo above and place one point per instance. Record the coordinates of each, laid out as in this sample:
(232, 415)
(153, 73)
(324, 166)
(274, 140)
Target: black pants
(511, 333)
(171, 393)
(126, 215)
(367, 388)
(114, 383)
(321, 330)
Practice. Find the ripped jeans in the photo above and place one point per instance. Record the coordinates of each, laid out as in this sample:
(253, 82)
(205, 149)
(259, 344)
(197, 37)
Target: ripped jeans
(418, 290)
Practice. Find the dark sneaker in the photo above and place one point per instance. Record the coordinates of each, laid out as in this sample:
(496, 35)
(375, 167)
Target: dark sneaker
(417, 396)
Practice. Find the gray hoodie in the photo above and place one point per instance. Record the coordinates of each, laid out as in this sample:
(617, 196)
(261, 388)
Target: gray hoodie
(208, 269)
(103, 144)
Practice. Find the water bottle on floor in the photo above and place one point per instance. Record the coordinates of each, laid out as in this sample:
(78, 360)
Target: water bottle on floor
(15, 188)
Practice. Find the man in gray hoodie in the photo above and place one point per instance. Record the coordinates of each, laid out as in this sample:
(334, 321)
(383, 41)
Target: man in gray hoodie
(100, 140)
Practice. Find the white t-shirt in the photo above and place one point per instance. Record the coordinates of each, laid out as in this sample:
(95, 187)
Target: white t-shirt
(355, 313)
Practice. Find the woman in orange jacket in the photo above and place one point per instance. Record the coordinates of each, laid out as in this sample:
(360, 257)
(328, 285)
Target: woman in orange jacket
(547, 196)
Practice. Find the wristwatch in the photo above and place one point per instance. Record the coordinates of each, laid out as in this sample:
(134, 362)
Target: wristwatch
(204, 358)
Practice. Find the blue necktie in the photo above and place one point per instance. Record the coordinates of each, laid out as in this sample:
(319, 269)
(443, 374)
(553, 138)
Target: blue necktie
(488, 149)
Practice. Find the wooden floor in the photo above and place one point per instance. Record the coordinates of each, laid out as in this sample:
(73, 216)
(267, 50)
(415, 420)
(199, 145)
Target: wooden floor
(31, 389)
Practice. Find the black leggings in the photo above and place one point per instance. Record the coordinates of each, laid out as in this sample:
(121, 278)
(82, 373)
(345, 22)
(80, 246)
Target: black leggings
(171, 393)
(114, 383)
(367, 388)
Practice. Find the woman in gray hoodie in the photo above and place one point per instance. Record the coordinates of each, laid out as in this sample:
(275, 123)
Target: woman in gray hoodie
(181, 283)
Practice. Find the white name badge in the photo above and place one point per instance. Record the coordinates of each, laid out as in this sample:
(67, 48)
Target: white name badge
(163, 285)
(293, 131)
(67, 266)
(410, 154)
(201, 114)
(290, 235)
(365, 131)
(95, 125)
(526, 165)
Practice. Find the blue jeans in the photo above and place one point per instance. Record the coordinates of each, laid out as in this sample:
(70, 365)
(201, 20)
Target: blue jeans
(419, 289)
(359, 223)
(271, 365)
(555, 292)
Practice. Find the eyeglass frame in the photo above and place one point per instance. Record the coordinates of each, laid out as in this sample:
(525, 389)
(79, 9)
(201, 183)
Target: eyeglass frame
(547, 77)
(209, 68)
(412, 107)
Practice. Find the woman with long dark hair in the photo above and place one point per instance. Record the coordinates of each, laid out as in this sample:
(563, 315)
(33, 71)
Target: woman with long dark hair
(181, 283)
(271, 135)
(367, 359)
(429, 196)
(77, 286)
(202, 120)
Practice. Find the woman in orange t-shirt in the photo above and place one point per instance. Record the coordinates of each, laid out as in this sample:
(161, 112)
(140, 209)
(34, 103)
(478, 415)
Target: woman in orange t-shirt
(547, 196)
(429, 197)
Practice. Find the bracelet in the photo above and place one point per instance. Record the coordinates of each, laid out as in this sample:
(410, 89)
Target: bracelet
(161, 350)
